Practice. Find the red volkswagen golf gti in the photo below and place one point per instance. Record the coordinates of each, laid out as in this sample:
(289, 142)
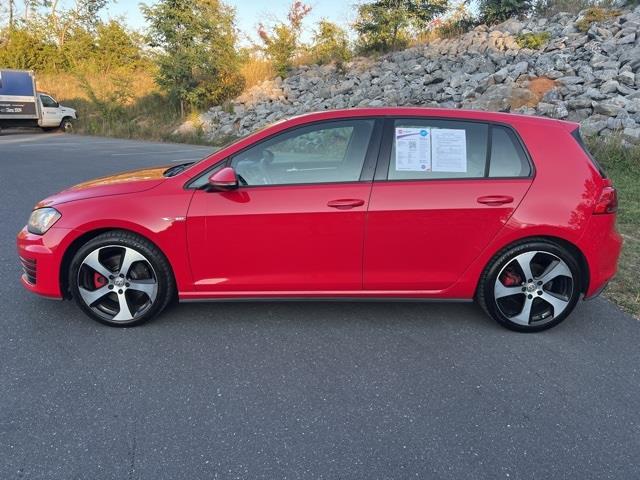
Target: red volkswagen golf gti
(394, 203)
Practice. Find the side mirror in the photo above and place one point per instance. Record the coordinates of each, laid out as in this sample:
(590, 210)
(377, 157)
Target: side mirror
(225, 179)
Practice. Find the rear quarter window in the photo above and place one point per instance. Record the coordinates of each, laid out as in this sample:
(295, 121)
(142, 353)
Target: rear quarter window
(576, 135)
(507, 156)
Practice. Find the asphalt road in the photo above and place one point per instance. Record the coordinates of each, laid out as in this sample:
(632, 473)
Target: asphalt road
(295, 390)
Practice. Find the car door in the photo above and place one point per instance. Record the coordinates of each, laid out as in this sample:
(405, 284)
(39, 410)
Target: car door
(51, 113)
(443, 190)
(296, 223)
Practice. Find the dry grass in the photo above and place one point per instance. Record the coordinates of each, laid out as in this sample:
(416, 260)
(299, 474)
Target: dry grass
(65, 86)
(255, 70)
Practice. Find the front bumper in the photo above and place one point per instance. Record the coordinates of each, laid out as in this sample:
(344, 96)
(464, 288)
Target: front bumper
(41, 258)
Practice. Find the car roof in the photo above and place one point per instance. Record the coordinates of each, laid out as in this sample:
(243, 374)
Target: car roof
(453, 113)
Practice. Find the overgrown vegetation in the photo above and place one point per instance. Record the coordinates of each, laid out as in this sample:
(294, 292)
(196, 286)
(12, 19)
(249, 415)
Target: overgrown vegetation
(622, 164)
(534, 41)
(495, 11)
(594, 15)
(330, 43)
(384, 25)
(198, 62)
(281, 41)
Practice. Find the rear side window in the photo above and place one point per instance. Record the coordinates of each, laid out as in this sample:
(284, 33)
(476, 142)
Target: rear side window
(507, 156)
(576, 134)
(426, 149)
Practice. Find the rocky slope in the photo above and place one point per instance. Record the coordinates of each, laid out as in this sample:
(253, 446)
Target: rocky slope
(592, 77)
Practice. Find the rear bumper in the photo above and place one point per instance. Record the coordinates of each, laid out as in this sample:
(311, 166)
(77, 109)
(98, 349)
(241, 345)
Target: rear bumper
(41, 258)
(601, 245)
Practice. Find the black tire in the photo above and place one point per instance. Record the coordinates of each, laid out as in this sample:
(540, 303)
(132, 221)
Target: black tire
(506, 260)
(160, 275)
(66, 125)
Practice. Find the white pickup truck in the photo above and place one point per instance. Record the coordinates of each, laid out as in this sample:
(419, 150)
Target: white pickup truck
(21, 105)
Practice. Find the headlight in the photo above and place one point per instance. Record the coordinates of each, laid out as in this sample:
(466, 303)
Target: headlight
(42, 219)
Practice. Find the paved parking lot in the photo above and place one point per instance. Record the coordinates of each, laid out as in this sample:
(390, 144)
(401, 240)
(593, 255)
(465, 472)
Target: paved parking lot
(295, 390)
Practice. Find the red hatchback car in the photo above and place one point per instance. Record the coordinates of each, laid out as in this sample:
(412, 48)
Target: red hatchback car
(395, 203)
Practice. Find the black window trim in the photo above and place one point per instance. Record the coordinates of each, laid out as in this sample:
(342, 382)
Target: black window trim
(384, 163)
(366, 173)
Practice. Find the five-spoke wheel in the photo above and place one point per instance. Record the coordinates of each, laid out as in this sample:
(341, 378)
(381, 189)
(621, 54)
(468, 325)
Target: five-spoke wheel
(120, 279)
(531, 286)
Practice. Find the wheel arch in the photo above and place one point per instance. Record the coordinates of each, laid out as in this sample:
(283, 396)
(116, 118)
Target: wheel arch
(77, 243)
(568, 245)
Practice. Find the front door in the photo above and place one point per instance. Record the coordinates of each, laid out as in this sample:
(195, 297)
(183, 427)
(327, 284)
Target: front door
(296, 224)
(440, 196)
(51, 112)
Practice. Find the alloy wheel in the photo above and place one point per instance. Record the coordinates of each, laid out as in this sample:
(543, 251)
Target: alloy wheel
(118, 283)
(533, 288)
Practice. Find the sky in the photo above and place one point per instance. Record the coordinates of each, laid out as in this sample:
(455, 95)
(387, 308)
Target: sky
(249, 13)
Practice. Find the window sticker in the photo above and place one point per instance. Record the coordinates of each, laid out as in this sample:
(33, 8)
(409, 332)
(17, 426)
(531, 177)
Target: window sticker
(449, 150)
(413, 149)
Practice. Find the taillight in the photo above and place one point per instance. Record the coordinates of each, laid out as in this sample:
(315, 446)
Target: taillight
(608, 201)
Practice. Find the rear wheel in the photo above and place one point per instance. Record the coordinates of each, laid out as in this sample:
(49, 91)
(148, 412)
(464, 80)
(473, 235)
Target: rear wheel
(531, 286)
(121, 279)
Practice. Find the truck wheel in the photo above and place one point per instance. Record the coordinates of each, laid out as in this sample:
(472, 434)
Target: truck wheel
(66, 125)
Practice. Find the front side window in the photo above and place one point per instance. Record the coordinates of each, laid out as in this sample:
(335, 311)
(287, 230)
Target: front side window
(321, 153)
(47, 101)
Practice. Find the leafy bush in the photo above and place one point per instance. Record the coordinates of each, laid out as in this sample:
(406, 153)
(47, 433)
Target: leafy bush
(495, 11)
(330, 43)
(386, 25)
(594, 15)
(458, 23)
(281, 43)
(534, 41)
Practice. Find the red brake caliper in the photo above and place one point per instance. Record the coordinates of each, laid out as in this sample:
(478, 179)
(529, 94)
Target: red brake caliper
(98, 280)
(509, 279)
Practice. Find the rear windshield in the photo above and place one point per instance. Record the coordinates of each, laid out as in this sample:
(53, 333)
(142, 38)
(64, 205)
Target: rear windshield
(578, 137)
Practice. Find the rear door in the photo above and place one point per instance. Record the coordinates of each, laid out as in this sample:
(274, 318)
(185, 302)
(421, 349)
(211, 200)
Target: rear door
(443, 190)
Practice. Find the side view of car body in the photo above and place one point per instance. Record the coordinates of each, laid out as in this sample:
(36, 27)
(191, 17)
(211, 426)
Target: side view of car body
(408, 203)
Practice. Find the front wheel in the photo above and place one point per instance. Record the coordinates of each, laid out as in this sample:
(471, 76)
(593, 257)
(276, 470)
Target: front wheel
(121, 279)
(530, 287)
(66, 126)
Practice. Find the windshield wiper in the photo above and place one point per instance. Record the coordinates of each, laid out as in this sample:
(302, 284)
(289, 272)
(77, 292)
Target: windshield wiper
(176, 169)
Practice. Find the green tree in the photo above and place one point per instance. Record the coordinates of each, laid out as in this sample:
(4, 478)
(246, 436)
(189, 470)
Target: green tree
(116, 47)
(330, 43)
(384, 25)
(198, 61)
(281, 44)
(25, 48)
(494, 11)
